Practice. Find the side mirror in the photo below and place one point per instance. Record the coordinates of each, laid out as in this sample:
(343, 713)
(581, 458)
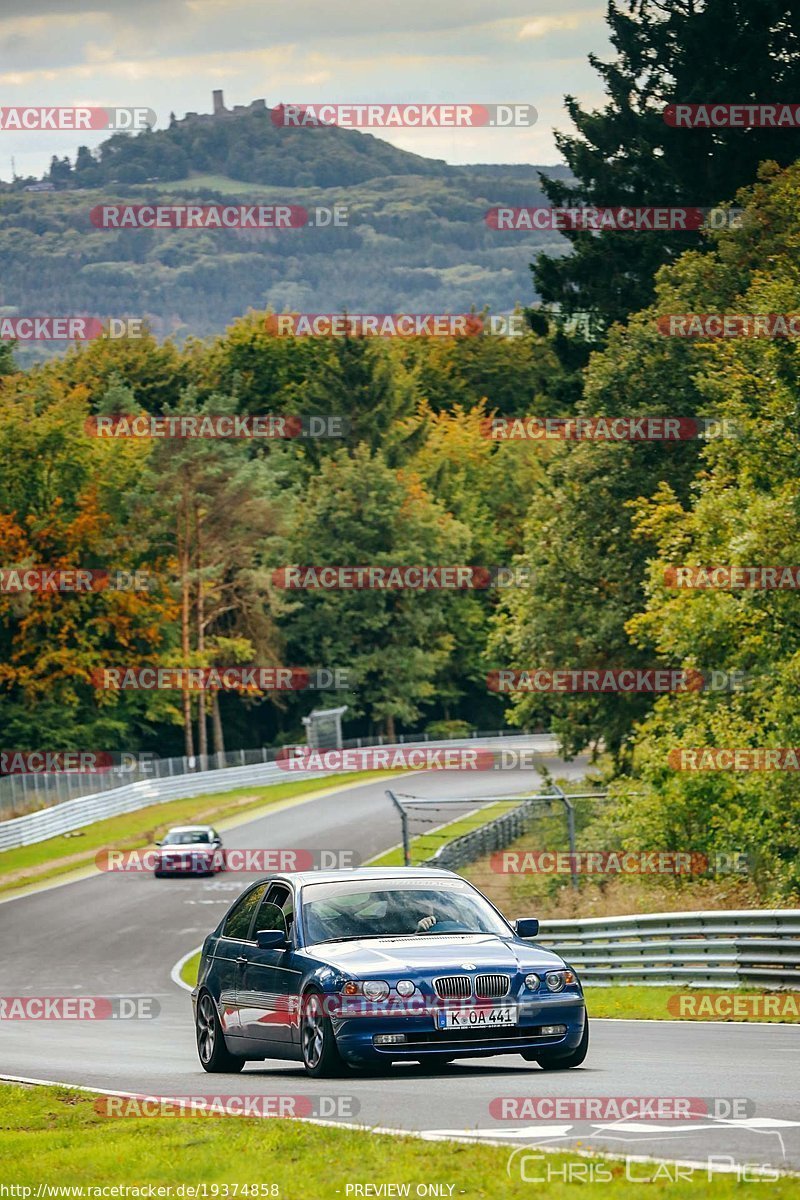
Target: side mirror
(526, 927)
(271, 939)
(159, 843)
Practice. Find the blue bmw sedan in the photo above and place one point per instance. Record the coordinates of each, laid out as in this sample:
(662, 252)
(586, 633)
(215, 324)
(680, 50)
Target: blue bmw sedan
(349, 968)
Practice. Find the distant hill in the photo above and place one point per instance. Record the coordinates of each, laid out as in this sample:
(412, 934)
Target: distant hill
(416, 239)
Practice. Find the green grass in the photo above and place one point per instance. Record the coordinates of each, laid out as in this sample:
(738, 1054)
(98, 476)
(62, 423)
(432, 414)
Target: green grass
(134, 830)
(213, 183)
(426, 845)
(190, 968)
(53, 1135)
(642, 1003)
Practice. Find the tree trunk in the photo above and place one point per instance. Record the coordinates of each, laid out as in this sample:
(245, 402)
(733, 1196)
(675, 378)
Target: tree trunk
(202, 728)
(216, 722)
(390, 733)
(183, 558)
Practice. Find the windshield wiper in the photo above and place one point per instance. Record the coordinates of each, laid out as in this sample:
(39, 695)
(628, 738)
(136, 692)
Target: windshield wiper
(359, 937)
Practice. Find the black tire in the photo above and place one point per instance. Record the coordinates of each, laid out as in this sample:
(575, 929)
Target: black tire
(214, 1055)
(562, 1062)
(321, 1057)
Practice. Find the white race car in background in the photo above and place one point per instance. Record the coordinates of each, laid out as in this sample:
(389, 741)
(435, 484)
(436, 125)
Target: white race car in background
(190, 850)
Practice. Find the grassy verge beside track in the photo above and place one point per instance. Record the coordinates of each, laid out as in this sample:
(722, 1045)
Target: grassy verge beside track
(135, 830)
(642, 1003)
(190, 968)
(53, 1135)
(426, 845)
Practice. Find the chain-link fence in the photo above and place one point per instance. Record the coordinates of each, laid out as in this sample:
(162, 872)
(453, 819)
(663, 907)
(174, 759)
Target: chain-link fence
(26, 793)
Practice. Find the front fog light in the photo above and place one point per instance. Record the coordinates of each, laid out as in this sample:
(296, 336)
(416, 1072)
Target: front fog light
(553, 1030)
(375, 989)
(532, 982)
(388, 1039)
(555, 981)
(405, 987)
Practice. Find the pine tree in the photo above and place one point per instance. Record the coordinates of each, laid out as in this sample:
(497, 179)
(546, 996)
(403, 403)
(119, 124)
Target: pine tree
(680, 51)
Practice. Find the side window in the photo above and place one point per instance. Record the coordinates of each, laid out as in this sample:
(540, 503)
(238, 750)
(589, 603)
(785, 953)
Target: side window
(237, 924)
(281, 896)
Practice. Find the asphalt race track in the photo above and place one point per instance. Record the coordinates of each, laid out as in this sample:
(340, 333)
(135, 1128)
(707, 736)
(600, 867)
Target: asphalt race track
(121, 934)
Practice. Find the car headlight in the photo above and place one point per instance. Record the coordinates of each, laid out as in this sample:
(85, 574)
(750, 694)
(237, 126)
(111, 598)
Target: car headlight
(557, 980)
(376, 989)
(373, 989)
(532, 982)
(405, 987)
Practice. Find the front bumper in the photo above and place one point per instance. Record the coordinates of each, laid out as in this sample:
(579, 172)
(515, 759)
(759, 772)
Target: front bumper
(355, 1035)
(196, 865)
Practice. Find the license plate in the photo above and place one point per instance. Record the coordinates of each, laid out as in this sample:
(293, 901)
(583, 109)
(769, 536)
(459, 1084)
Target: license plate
(476, 1018)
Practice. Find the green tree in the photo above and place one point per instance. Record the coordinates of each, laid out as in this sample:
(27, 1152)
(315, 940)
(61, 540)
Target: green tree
(358, 511)
(685, 51)
(589, 567)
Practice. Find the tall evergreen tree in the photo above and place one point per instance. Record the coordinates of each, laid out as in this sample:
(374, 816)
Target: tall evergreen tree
(679, 51)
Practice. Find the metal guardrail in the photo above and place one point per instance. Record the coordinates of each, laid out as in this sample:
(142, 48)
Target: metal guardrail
(24, 793)
(84, 810)
(494, 835)
(690, 949)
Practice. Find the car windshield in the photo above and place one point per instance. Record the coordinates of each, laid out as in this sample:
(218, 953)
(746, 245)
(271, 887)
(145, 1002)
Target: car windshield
(187, 837)
(395, 908)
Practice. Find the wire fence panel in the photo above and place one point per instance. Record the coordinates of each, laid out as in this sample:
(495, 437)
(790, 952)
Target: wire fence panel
(68, 812)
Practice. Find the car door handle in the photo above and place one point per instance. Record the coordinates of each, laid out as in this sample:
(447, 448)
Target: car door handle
(242, 958)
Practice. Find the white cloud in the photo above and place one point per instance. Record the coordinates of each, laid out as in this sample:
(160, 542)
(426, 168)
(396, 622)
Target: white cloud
(539, 27)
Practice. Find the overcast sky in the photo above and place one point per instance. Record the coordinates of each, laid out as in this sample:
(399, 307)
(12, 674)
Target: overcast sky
(170, 54)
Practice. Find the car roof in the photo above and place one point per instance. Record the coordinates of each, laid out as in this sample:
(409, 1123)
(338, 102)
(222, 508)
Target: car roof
(189, 829)
(368, 874)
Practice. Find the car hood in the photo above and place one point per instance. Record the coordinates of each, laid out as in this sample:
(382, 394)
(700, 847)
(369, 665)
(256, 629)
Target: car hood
(436, 953)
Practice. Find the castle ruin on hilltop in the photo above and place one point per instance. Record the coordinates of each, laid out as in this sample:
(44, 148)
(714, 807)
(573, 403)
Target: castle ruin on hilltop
(221, 112)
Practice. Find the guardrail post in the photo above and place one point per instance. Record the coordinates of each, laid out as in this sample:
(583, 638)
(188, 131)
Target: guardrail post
(403, 826)
(569, 806)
